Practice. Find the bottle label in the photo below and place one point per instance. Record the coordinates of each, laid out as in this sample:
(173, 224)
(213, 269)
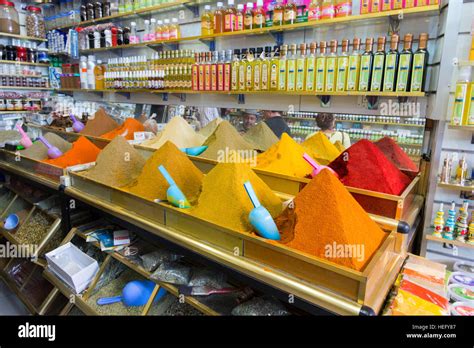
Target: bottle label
(327, 11)
(352, 73)
(248, 21)
(330, 73)
(227, 69)
(290, 15)
(470, 107)
(410, 3)
(277, 17)
(220, 77)
(314, 13)
(342, 63)
(256, 77)
(291, 75)
(248, 76)
(377, 74)
(365, 6)
(207, 77)
(201, 78)
(173, 34)
(134, 39)
(376, 5)
(343, 9)
(389, 76)
(320, 74)
(274, 76)
(239, 22)
(397, 4)
(310, 73)
(459, 104)
(364, 73)
(282, 75)
(229, 21)
(418, 72)
(242, 77)
(403, 71)
(265, 76)
(207, 26)
(300, 74)
(258, 20)
(213, 77)
(234, 76)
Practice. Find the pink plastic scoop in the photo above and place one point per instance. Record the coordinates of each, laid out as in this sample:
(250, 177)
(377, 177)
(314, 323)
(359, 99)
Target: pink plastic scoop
(53, 152)
(317, 167)
(25, 140)
(77, 126)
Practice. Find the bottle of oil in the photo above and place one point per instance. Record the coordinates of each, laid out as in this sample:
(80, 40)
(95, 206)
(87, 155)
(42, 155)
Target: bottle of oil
(207, 21)
(248, 17)
(195, 73)
(257, 69)
(378, 66)
(327, 9)
(220, 71)
(259, 16)
(461, 96)
(354, 67)
(290, 12)
(321, 68)
(234, 85)
(265, 69)
(282, 69)
(420, 61)
(311, 67)
(99, 72)
(331, 67)
(219, 18)
(301, 68)
(249, 63)
(366, 61)
(229, 16)
(239, 18)
(342, 67)
(227, 70)
(391, 65)
(291, 69)
(213, 63)
(274, 68)
(202, 71)
(242, 65)
(404, 65)
(278, 13)
(207, 71)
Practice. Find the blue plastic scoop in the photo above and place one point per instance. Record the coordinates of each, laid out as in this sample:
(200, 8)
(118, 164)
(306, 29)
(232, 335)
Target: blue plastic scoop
(174, 195)
(194, 151)
(260, 217)
(135, 293)
(77, 125)
(11, 222)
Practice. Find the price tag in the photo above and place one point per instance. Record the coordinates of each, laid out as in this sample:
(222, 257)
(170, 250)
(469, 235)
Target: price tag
(142, 136)
(50, 120)
(69, 129)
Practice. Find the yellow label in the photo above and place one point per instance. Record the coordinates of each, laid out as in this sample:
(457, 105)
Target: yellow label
(265, 76)
(365, 70)
(403, 72)
(459, 103)
(320, 74)
(256, 77)
(310, 73)
(418, 72)
(291, 83)
(342, 65)
(248, 76)
(274, 75)
(235, 76)
(390, 71)
(300, 74)
(331, 66)
(242, 76)
(282, 75)
(353, 73)
(470, 107)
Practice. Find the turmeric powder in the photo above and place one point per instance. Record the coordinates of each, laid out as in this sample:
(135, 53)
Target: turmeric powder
(323, 150)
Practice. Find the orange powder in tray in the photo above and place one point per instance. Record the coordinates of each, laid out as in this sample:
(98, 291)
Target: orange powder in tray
(127, 129)
(82, 151)
(325, 218)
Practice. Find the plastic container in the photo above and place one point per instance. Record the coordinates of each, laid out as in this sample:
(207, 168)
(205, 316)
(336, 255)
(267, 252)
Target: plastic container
(464, 266)
(35, 25)
(461, 278)
(462, 309)
(9, 20)
(461, 293)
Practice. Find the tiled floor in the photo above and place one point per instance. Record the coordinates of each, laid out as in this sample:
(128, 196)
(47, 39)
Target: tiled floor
(10, 304)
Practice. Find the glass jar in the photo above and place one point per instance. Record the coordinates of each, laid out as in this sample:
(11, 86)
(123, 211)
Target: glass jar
(9, 21)
(35, 26)
(18, 106)
(3, 106)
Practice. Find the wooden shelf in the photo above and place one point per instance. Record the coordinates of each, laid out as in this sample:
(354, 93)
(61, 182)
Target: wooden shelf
(456, 187)
(446, 241)
(14, 288)
(23, 63)
(466, 63)
(26, 88)
(22, 37)
(464, 128)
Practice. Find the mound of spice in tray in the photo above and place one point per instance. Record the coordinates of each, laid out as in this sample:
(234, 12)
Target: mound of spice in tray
(39, 152)
(395, 154)
(364, 166)
(209, 128)
(325, 218)
(82, 151)
(127, 130)
(261, 137)
(323, 150)
(99, 124)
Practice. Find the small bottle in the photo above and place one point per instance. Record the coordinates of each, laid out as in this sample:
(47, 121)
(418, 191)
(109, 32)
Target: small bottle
(219, 18)
(282, 68)
(242, 65)
(249, 81)
(239, 18)
(90, 72)
(278, 14)
(229, 17)
(438, 222)
(311, 67)
(257, 70)
(174, 32)
(290, 12)
(291, 69)
(228, 70)
(461, 171)
(274, 68)
(404, 65)
(259, 16)
(354, 67)
(265, 68)
(152, 34)
(420, 62)
(321, 68)
(207, 21)
(234, 85)
(248, 18)
(301, 68)
(165, 30)
(96, 39)
(314, 11)
(220, 70)
(159, 30)
(146, 30)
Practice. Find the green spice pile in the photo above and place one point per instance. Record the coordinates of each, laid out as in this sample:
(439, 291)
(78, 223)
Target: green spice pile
(261, 137)
(209, 128)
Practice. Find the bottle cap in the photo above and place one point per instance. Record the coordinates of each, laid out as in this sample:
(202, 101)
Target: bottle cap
(153, 20)
(249, 4)
(207, 7)
(160, 22)
(133, 24)
(237, 51)
(259, 3)
(146, 21)
(220, 4)
(231, 2)
(465, 73)
(240, 7)
(167, 21)
(174, 20)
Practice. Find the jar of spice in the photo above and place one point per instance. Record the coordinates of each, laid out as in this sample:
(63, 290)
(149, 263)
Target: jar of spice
(18, 105)
(9, 21)
(3, 106)
(10, 106)
(35, 26)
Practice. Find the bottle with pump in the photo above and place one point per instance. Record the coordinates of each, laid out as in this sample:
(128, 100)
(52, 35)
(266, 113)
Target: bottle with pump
(248, 16)
(229, 17)
(259, 16)
(301, 70)
(391, 65)
(378, 66)
(321, 67)
(265, 69)
(366, 61)
(342, 67)
(90, 72)
(234, 85)
(257, 69)
(331, 67)
(249, 69)
(354, 67)
(291, 69)
(219, 18)
(311, 68)
(282, 68)
(420, 61)
(239, 18)
(404, 65)
(274, 69)
(461, 94)
(83, 73)
(207, 21)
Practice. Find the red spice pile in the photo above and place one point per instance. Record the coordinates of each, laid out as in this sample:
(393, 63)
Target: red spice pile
(364, 166)
(394, 153)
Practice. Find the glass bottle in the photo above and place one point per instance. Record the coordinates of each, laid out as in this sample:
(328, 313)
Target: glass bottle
(195, 72)
(259, 16)
(301, 68)
(282, 69)
(321, 68)
(354, 67)
(242, 65)
(159, 30)
(311, 67)
(378, 66)
(391, 65)
(219, 18)
(207, 21)
(274, 69)
(146, 30)
(404, 65)
(278, 13)
(420, 61)
(229, 17)
(239, 18)
(265, 68)
(290, 12)
(291, 69)
(249, 70)
(234, 85)
(257, 69)
(248, 17)
(220, 71)
(366, 61)
(227, 70)
(342, 67)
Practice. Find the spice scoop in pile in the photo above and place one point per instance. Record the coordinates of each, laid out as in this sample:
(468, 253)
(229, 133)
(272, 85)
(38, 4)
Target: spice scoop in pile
(325, 218)
(127, 130)
(38, 151)
(364, 166)
(82, 151)
(224, 200)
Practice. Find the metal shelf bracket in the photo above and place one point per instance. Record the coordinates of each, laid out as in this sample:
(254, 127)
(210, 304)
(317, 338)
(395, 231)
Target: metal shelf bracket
(241, 99)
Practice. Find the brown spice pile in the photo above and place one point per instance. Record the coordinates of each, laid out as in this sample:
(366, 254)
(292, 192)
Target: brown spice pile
(38, 151)
(261, 136)
(100, 124)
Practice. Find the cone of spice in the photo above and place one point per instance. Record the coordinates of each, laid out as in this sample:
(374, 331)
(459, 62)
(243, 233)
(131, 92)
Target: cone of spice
(224, 201)
(224, 139)
(209, 128)
(286, 158)
(321, 148)
(82, 151)
(179, 132)
(261, 137)
(127, 130)
(325, 217)
(395, 154)
(339, 146)
(364, 166)
(100, 124)
(151, 185)
(38, 151)
(117, 165)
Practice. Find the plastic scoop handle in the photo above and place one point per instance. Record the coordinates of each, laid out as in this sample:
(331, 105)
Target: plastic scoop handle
(73, 118)
(45, 142)
(311, 161)
(167, 176)
(109, 300)
(22, 132)
(253, 197)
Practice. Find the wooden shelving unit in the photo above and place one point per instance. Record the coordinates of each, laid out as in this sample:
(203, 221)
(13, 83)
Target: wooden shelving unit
(23, 63)
(451, 242)
(22, 37)
(456, 187)
(464, 128)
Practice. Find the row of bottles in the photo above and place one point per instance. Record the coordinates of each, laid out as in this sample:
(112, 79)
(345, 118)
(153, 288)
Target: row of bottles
(454, 227)
(363, 118)
(463, 108)
(461, 174)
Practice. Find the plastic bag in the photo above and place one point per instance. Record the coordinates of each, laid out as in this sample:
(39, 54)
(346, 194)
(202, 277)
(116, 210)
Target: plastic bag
(152, 260)
(259, 306)
(173, 272)
(207, 277)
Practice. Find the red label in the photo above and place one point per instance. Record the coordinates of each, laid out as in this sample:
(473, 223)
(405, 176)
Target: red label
(195, 78)
(229, 22)
(207, 77)
(214, 77)
(227, 73)
(220, 77)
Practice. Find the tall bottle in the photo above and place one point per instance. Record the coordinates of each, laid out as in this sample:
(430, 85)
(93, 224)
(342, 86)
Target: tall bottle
(99, 72)
(291, 69)
(165, 30)
(282, 69)
(278, 13)
(265, 68)
(461, 95)
(195, 72)
(290, 12)
(321, 68)
(249, 69)
(90, 72)
(353, 72)
(366, 61)
(331, 67)
(207, 21)
(228, 70)
(133, 33)
(274, 68)
(342, 67)
(248, 16)
(259, 16)
(202, 71)
(219, 18)
(174, 32)
(234, 85)
(404, 65)
(391, 65)
(257, 69)
(378, 66)
(229, 16)
(159, 30)
(214, 75)
(301, 68)
(311, 68)
(83, 72)
(152, 34)
(420, 61)
(239, 18)
(207, 71)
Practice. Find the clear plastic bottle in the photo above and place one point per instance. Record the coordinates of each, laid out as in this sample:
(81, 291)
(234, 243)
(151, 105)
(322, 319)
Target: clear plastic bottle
(229, 16)
(146, 30)
(99, 72)
(207, 21)
(159, 30)
(174, 32)
(219, 18)
(83, 72)
(152, 34)
(248, 16)
(90, 72)
(165, 30)
(239, 18)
